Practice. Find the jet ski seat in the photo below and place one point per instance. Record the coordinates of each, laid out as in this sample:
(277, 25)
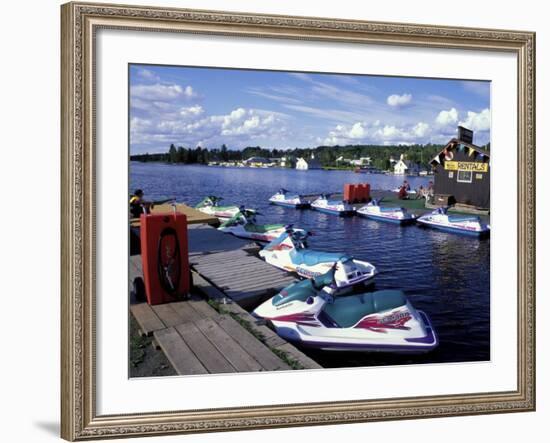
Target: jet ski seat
(463, 218)
(309, 257)
(347, 311)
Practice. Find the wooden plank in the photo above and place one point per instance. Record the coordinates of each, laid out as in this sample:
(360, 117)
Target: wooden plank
(217, 257)
(238, 269)
(270, 338)
(209, 356)
(267, 281)
(207, 257)
(222, 263)
(249, 300)
(261, 353)
(299, 356)
(203, 308)
(185, 311)
(220, 271)
(180, 356)
(147, 320)
(261, 274)
(167, 314)
(232, 351)
(194, 216)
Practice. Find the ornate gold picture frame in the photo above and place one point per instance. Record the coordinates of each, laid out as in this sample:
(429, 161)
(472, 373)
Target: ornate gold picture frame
(80, 22)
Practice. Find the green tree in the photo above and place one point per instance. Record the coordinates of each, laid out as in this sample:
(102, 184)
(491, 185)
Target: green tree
(224, 154)
(173, 154)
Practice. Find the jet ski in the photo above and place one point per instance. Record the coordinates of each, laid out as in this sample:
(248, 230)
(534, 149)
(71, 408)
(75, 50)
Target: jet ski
(243, 224)
(285, 198)
(290, 253)
(210, 205)
(459, 224)
(392, 214)
(309, 314)
(334, 207)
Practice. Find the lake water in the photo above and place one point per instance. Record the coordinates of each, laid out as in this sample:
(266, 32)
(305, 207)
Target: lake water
(443, 274)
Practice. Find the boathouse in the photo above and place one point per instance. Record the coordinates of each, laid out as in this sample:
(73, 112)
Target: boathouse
(462, 172)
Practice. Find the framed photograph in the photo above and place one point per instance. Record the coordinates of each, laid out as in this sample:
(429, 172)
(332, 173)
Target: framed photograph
(277, 221)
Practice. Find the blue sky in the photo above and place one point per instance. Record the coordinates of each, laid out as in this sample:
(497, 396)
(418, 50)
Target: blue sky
(191, 106)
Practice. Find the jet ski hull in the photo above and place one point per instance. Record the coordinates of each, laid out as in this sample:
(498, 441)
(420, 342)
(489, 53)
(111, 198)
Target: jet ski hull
(454, 229)
(418, 345)
(394, 220)
(290, 205)
(310, 315)
(344, 213)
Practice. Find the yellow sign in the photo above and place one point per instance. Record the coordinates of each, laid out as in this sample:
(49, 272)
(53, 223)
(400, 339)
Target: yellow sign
(467, 166)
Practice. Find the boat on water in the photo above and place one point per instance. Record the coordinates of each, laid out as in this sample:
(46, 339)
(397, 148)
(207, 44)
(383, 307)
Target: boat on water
(290, 253)
(310, 314)
(289, 200)
(459, 224)
(243, 224)
(391, 214)
(211, 205)
(334, 207)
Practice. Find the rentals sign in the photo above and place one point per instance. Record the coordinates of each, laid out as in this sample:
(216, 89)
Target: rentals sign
(467, 166)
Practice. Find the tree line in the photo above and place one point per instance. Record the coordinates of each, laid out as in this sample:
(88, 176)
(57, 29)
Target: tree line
(327, 155)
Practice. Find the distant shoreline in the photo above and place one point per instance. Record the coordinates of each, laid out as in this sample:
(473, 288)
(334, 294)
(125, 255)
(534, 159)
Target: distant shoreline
(324, 168)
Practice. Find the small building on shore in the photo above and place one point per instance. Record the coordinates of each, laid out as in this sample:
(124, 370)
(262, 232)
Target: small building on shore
(462, 172)
(305, 164)
(405, 167)
(257, 162)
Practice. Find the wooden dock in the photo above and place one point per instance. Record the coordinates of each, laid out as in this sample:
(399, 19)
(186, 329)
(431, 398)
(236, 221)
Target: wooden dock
(200, 339)
(196, 339)
(194, 216)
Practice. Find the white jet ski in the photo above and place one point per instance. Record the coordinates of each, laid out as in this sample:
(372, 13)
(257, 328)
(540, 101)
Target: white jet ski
(210, 205)
(459, 224)
(309, 314)
(289, 200)
(391, 214)
(334, 207)
(243, 224)
(289, 252)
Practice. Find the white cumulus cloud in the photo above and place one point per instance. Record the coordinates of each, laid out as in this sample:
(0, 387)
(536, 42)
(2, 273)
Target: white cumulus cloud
(161, 92)
(376, 132)
(446, 118)
(397, 100)
(478, 121)
(191, 111)
(421, 129)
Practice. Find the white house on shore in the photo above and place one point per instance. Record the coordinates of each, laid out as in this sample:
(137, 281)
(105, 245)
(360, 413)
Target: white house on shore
(363, 161)
(304, 165)
(405, 167)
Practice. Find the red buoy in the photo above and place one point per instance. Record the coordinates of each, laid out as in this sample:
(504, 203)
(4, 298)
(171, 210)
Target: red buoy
(164, 255)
